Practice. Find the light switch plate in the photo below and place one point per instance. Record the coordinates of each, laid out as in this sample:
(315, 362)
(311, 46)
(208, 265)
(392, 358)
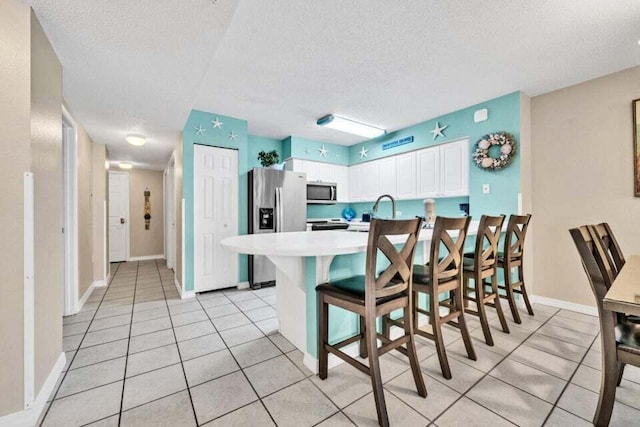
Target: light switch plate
(486, 189)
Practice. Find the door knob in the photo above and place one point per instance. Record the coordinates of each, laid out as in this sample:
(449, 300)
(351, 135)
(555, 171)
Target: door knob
(121, 220)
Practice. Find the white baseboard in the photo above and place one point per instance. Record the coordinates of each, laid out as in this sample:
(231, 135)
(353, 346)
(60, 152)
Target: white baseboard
(311, 362)
(243, 285)
(146, 257)
(183, 294)
(86, 295)
(99, 284)
(29, 417)
(585, 309)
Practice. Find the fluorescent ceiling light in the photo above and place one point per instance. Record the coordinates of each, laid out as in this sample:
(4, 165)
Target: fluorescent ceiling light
(136, 139)
(125, 165)
(350, 126)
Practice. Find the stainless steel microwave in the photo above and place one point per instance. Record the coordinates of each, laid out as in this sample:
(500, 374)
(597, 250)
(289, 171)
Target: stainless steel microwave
(322, 193)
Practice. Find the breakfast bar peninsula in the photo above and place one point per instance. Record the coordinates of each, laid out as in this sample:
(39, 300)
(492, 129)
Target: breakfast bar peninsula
(305, 259)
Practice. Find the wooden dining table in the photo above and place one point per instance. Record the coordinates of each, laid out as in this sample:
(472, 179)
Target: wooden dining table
(622, 297)
(624, 294)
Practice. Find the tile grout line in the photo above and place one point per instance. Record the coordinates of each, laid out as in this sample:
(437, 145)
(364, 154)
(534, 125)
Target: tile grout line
(564, 389)
(236, 360)
(75, 352)
(286, 354)
(463, 395)
(126, 361)
(184, 373)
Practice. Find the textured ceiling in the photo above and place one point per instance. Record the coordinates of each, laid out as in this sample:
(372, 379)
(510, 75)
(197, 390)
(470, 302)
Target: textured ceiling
(134, 66)
(142, 65)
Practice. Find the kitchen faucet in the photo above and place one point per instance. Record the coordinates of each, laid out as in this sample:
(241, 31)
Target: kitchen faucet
(393, 204)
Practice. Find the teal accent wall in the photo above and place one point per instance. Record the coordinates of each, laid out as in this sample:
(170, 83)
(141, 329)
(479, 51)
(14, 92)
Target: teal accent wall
(307, 149)
(326, 211)
(248, 147)
(504, 115)
(258, 144)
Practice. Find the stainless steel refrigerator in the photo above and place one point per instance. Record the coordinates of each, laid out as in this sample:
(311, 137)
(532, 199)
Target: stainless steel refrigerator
(277, 203)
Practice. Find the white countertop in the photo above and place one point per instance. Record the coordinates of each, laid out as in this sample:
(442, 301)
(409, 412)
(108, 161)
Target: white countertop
(312, 243)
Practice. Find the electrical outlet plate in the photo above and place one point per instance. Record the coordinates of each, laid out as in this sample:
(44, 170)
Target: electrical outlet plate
(486, 189)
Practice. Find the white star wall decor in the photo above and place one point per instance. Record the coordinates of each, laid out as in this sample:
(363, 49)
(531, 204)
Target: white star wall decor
(323, 151)
(307, 152)
(437, 130)
(363, 152)
(217, 123)
(200, 130)
(232, 136)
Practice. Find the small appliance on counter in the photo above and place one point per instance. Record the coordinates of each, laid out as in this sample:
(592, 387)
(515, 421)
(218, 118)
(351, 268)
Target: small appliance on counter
(326, 224)
(464, 209)
(430, 212)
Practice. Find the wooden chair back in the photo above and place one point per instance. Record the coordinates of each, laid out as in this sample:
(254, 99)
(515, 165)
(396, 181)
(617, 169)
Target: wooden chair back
(447, 249)
(612, 249)
(487, 240)
(397, 277)
(514, 237)
(583, 237)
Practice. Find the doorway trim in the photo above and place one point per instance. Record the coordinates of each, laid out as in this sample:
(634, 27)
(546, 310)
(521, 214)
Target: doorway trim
(70, 220)
(169, 214)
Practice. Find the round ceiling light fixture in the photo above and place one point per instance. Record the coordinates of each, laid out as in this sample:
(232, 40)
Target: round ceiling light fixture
(125, 165)
(135, 139)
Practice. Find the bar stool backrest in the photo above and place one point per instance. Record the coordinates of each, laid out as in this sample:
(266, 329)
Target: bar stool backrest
(397, 277)
(487, 240)
(447, 249)
(514, 238)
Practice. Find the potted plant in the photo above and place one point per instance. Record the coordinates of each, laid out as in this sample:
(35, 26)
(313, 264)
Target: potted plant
(268, 158)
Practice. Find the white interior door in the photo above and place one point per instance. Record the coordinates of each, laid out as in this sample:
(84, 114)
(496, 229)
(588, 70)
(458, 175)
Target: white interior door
(215, 175)
(118, 216)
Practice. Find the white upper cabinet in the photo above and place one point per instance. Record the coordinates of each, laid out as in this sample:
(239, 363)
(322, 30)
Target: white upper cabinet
(429, 172)
(454, 163)
(438, 171)
(387, 173)
(356, 183)
(443, 170)
(406, 176)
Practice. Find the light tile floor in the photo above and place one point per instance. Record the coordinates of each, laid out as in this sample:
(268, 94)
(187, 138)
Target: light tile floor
(137, 355)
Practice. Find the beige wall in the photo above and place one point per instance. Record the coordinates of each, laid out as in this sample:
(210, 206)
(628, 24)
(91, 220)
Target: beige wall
(46, 165)
(15, 134)
(582, 174)
(177, 185)
(99, 184)
(146, 242)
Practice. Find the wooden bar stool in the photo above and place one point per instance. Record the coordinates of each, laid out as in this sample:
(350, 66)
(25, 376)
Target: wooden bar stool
(372, 296)
(620, 340)
(442, 275)
(484, 266)
(513, 257)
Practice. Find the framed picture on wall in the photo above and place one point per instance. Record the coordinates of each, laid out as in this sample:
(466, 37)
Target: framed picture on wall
(636, 150)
